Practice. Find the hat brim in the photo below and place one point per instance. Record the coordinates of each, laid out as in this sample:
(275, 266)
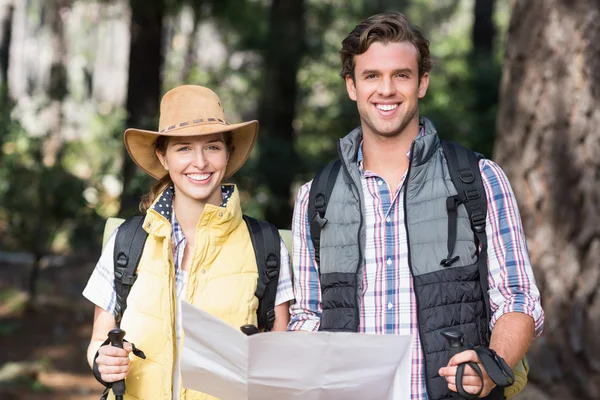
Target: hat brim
(140, 145)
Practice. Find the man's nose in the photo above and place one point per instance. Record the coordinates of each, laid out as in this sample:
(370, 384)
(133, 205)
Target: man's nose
(387, 87)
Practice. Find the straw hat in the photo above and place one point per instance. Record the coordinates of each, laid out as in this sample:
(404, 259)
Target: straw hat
(190, 111)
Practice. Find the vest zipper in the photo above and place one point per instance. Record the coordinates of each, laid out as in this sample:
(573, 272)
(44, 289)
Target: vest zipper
(410, 267)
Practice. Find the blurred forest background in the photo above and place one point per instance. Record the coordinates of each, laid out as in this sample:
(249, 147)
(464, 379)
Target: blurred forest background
(517, 80)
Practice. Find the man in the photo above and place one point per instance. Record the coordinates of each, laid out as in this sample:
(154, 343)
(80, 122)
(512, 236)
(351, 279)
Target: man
(379, 270)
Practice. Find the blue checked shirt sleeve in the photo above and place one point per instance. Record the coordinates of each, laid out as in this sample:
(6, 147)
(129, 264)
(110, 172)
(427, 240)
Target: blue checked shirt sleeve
(100, 288)
(512, 286)
(306, 311)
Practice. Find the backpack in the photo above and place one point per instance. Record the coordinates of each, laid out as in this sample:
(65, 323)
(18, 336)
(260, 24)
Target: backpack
(129, 245)
(463, 166)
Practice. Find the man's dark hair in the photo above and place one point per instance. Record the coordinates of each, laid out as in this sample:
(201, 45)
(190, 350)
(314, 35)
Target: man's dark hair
(386, 28)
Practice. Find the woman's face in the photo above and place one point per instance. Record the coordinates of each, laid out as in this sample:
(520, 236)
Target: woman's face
(196, 164)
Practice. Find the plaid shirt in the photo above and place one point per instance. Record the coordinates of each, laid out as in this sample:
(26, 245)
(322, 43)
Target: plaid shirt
(388, 300)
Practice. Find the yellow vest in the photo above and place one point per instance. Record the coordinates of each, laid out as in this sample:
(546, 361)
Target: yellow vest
(221, 281)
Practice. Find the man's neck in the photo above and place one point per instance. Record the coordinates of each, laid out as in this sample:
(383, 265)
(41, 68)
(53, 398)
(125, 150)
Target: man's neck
(386, 156)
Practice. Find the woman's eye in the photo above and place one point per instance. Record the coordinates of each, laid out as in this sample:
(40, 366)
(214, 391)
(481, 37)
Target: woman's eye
(215, 148)
(183, 148)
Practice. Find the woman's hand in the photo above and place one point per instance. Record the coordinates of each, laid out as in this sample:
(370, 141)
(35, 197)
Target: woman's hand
(113, 362)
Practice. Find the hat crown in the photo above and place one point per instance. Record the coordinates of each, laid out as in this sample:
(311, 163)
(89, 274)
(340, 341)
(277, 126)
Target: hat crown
(189, 105)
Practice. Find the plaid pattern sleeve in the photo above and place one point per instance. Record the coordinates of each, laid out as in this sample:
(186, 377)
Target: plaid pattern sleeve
(306, 311)
(100, 288)
(285, 291)
(512, 286)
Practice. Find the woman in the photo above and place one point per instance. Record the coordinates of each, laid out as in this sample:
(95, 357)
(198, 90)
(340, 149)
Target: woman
(198, 247)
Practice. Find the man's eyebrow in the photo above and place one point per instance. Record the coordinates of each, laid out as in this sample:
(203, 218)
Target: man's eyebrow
(396, 71)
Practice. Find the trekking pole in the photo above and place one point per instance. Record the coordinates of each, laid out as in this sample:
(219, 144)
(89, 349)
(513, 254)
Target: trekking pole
(116, 339)
(249, 329)
(456, 343)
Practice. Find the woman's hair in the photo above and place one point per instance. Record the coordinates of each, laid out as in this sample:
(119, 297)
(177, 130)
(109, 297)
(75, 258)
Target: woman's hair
(160, 145)
(386, 28)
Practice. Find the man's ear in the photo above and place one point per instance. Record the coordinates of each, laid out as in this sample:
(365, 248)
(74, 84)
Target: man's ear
(351, 87)
(423, 85)
(162, 160)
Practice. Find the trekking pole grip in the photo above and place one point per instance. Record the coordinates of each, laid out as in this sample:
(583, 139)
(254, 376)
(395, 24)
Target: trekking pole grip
(456, 344)
(116, 339)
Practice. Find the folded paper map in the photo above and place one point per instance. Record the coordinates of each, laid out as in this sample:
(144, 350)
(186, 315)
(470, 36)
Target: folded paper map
(223, 362)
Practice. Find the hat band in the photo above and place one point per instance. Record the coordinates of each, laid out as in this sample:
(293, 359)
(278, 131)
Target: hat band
(194, 122)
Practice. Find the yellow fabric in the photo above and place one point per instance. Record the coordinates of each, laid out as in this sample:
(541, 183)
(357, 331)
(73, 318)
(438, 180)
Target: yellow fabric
(520, 370)
(222, 280)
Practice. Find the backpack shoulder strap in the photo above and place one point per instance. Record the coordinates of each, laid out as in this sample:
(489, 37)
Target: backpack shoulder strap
(129, 244)
(267, 248)
(463, 166)
(320, 191)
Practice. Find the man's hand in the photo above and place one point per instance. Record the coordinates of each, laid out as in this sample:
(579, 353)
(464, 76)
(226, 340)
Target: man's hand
(471, 382)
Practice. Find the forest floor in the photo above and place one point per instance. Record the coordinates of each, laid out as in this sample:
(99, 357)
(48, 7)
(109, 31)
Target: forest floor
(43, 348)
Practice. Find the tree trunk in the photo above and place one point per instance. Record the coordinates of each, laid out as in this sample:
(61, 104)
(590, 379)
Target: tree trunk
(57, 84)
(549, 145)
(6, 18)
(484, 31)
(485, 74)
(277, 107)
(190, 59)
(7, 9)
(144, 86)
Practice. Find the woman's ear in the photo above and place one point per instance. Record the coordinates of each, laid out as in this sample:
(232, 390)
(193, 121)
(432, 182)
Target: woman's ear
(162, 160)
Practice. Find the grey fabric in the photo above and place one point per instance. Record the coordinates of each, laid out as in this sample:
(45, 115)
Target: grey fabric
(342, 243)
(428, 187)
(446, 296)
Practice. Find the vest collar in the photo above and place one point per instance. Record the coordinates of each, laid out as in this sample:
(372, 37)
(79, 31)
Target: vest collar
(425, 145)
(219, 220)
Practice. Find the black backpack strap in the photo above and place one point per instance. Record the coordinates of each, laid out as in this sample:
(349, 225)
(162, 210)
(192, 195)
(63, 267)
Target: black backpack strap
(129, 244)
(267, 248)
(320, 191)
(463, 165)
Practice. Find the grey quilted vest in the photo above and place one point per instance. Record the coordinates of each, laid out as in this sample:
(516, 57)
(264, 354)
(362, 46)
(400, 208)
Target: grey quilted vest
(446, 296)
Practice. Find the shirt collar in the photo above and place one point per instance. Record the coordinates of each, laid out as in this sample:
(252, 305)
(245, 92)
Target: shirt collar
(360, 157)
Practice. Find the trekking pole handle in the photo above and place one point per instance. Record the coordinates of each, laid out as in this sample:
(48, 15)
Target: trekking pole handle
(456, 341)
(116, 339)
(249, 329)
(456, 344)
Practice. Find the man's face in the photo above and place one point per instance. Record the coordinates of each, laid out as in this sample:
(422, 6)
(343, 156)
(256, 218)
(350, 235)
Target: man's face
(386, 88)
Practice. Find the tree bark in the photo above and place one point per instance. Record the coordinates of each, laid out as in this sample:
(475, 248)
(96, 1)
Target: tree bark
(57, 85)
(549, 145)
(277, 107)
(144, 86)
(485, 74)
(6, 14)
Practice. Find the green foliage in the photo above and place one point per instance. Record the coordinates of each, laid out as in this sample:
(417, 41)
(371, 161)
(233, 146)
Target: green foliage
(38, 201)
(43, 208)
